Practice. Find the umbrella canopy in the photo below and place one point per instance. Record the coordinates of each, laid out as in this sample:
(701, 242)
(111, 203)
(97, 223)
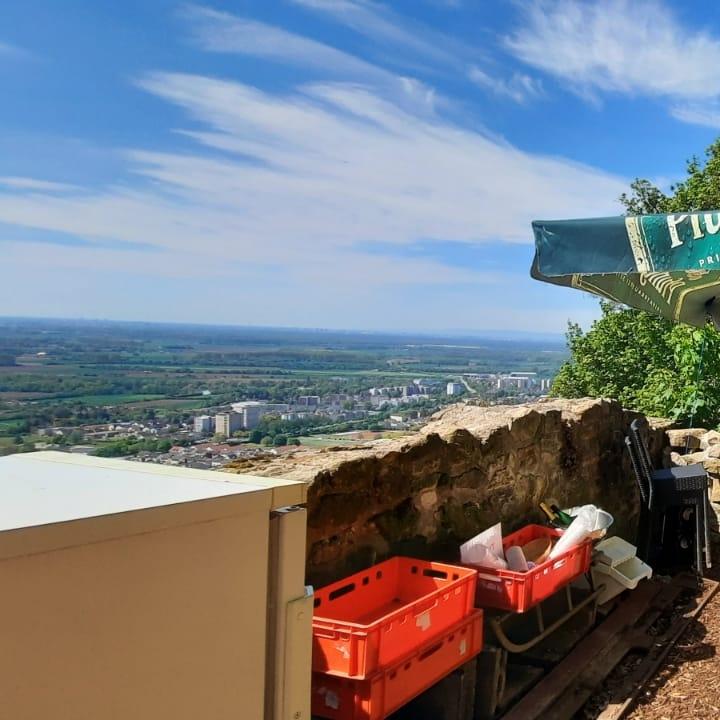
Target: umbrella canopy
(665, 264)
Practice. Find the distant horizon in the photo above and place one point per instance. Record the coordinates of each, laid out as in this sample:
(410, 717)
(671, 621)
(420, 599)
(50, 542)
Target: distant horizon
(459, 334)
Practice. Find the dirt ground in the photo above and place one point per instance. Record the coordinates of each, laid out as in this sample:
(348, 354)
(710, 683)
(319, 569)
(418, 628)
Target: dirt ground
(688, 684)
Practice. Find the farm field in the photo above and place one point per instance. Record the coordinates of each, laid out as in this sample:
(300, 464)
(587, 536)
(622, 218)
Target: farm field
(76, 373)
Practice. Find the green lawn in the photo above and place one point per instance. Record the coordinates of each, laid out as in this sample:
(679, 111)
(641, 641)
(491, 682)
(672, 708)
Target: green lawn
(321, 441)
(174, 404)
(107, 399)
(112, 399)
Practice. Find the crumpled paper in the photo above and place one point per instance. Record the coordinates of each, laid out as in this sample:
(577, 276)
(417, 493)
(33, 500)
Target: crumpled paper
(485, 549)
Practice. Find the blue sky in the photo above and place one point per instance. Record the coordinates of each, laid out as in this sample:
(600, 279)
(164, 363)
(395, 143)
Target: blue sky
(331, 163)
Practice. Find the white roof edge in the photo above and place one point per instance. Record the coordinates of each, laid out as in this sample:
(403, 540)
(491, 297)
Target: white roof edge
(285, 492)
(53, 487)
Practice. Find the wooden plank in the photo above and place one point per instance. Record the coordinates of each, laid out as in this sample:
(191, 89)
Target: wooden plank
(597, 650)
(634, 638)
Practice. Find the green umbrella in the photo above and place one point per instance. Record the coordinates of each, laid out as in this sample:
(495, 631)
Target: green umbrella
(665, 264)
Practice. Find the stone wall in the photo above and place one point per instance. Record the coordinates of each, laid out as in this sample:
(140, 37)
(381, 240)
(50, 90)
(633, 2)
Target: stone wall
(468, 468)
(696, 445)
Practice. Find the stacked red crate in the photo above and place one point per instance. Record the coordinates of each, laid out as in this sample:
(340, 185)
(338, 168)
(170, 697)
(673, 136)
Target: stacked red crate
(383, 635)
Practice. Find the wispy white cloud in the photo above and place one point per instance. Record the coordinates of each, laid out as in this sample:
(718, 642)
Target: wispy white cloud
(221, 32)
(630, 47)
(412, 43)
(339, 151)
(288, 194)
(384, 26)
(26, 183)
(519, 87)
(319, 172)
(705, 114)
(224, 33)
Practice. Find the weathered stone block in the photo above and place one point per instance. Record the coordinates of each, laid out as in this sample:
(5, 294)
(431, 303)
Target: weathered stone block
(715, 491)
(712, 465)
(710, 438)
(713, 451)
(689, 438)
(694, 457)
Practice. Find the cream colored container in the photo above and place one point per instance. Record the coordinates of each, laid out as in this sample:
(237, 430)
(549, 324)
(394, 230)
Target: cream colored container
(617, 567)
(144, 592)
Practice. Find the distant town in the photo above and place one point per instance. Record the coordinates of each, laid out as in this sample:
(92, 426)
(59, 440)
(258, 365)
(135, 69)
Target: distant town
(203, 397)
(251, 428)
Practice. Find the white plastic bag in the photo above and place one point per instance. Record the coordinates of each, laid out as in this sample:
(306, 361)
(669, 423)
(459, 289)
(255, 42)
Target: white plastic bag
(583, 524)
(603, 522)
(485, 549)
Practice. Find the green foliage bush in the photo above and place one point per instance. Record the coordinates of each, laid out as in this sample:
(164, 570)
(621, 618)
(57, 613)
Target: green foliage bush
(126, 447)
(647, 363)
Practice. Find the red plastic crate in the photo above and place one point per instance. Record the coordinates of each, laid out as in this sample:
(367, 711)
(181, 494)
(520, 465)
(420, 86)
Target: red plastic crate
(517, 591)
(372, 618)
(375, 697)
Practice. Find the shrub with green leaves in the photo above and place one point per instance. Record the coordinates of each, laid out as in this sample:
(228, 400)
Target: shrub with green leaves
(647, 363)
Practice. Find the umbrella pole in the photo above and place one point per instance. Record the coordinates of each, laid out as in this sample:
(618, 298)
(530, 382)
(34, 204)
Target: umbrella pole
(697, 380)
(706, 528)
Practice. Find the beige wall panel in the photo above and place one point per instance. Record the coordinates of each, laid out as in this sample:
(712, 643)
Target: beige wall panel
(163, 625)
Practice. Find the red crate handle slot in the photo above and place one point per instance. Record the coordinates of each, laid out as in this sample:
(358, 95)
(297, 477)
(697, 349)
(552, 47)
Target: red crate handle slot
(339, 592)
(430, 651)
(431, 572)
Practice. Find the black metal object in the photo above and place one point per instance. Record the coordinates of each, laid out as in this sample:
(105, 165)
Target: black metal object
(674, 529)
